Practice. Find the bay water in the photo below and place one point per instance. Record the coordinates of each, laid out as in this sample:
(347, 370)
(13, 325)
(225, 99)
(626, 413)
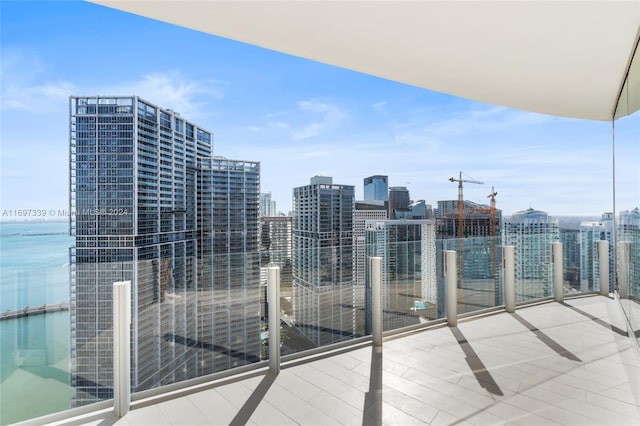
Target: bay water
(34, 350)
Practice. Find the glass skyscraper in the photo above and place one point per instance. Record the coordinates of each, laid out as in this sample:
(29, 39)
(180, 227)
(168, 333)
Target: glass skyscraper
(267, 206)
(228, 300)
(276, 245)
(376, 188)
(398, 201)
(532, 232)
(323, 293)
(408, 252)
(139, 211)
(590, 233)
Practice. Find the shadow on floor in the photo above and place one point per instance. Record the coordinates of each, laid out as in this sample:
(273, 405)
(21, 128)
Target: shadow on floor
(476, 365)
(557, 347)
(247, 409)
(372, 413)
(596, 320)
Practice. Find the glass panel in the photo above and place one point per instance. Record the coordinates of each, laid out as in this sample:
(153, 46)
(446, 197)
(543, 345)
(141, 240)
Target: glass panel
(627, 170)
(34, 260)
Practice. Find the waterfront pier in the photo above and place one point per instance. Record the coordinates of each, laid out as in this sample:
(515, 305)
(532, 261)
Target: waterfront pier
(34, 310)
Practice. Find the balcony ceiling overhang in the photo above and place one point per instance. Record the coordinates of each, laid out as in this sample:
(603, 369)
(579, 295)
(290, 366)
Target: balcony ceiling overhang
(564, 58)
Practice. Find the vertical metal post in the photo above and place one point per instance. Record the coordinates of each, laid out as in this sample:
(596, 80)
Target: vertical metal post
(121, 347)
(451, 275)
(558, 271)
(603, 260)
(375, 274)
(273, 298)
(624, 255)
(509, 274)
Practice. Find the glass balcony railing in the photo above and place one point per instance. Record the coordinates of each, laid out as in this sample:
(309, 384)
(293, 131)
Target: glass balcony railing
(202, 317)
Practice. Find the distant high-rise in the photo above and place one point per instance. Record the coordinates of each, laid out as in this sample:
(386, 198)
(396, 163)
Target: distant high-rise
(477, 219)
(267, 206)
(408, 251)
(532, 232)
(364, 211)
(376, 188)
(276, 245)
(629, 231)
(323, 261)
(398, 201)
(416, 210)
(590, 233)
(228, 297)
(570, 239)
(149, 205)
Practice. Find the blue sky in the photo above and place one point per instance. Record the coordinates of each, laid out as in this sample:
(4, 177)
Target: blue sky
(297, 117)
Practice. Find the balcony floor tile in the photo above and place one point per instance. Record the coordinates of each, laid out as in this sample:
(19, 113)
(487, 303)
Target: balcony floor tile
(548, 364)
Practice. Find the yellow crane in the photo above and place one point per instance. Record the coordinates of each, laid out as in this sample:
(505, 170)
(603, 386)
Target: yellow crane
(492, 244)
(492, 211)
(460, 224)
(461, 202)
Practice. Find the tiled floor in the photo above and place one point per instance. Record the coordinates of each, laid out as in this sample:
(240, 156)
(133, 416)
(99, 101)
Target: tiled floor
(546, 364)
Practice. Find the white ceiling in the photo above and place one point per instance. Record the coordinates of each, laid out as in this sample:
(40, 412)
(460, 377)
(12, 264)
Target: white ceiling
(564, 58)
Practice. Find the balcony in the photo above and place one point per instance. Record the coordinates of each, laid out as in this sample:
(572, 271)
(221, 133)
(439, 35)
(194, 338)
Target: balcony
(569, 362)
(549, 363)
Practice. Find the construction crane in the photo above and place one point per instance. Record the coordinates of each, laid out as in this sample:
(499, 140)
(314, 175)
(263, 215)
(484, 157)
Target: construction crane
(492, 244)
(492, 211)
(461, 223)
(461, 201)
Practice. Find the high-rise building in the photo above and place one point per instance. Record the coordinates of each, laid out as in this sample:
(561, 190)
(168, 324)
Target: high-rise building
(267, 206)
(590, 233)
(408, 252)
(629, 231)
(376, 188)
(323, 295)
(416, 210)
(398, 201)
(481, 255)
(532, 232)
(364, 211)
(228, 297)
(476, 219)
(570, 239)
(139, 205)
(276, 246)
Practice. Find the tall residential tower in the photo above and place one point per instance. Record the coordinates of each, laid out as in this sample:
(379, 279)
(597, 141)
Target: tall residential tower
(532, 232)
(323, 293)
(150, 204)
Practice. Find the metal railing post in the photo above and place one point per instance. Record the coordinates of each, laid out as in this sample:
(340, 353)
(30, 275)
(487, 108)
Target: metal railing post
(375, 272)
(121, 348)
(509, 274)
(603, 260)
(451, 275)
(624, 255)
(558, 271)
(273, 298)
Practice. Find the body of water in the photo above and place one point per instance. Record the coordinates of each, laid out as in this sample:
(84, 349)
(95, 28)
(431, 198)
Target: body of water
(34, 351)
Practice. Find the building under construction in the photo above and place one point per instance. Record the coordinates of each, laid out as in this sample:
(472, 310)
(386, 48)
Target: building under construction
(476, 220)
(480, 254)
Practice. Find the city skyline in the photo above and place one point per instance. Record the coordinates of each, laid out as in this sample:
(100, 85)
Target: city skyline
(296, 117)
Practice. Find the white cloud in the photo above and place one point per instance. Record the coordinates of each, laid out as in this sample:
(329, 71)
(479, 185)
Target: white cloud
(278, 124)
(27, 87)
(380, 107)
(309, 119)
(331, 116)
(173, 90)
